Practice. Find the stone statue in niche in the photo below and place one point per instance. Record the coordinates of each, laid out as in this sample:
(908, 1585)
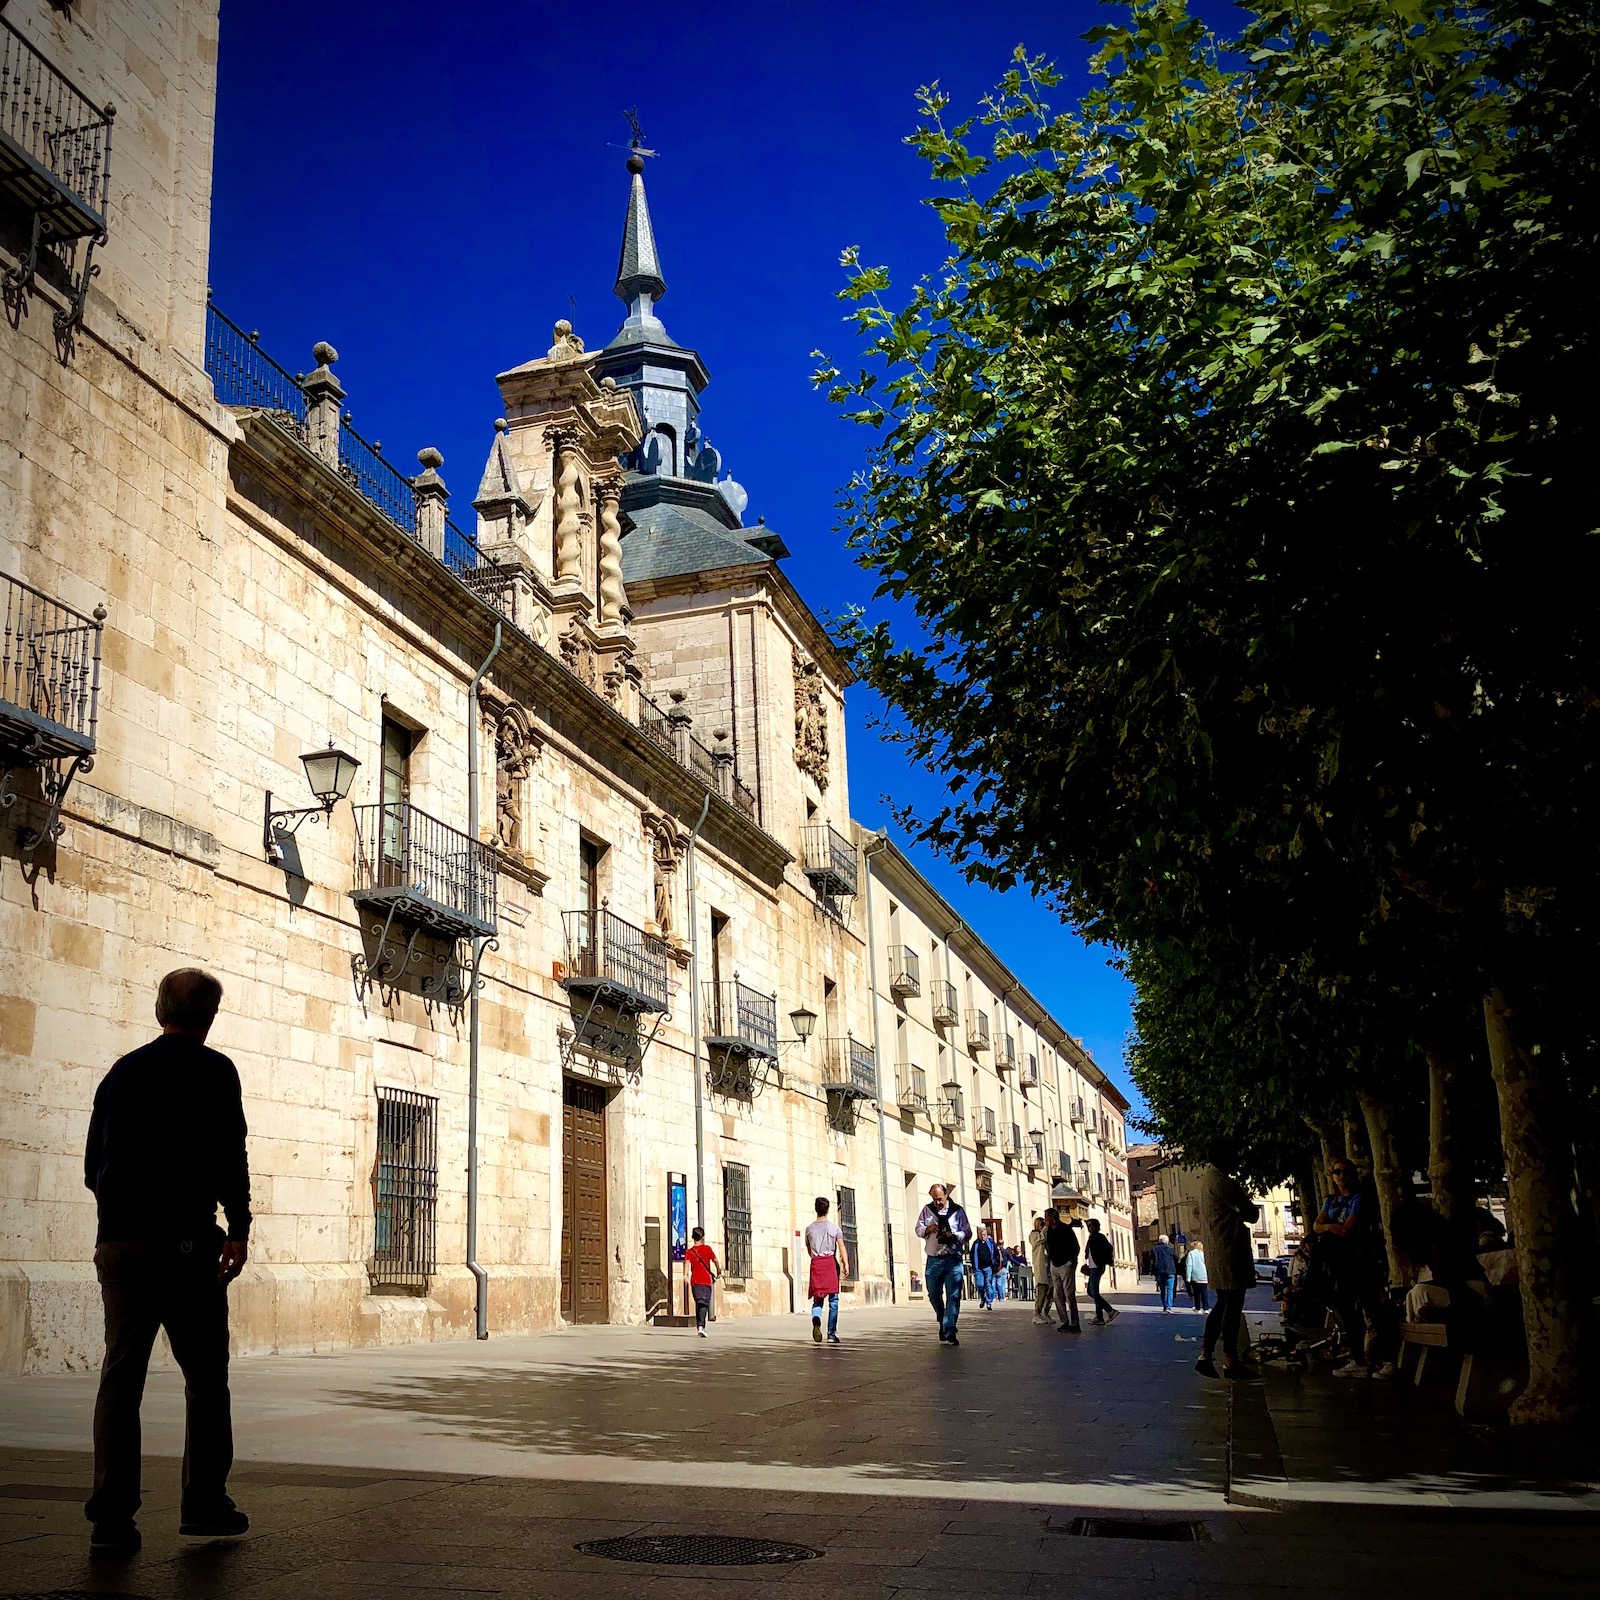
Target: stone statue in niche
(810, 721)
(515, 750)
(667, 844)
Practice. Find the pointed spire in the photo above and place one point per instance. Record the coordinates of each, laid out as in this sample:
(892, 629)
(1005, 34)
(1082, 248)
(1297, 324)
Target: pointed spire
(639, 280)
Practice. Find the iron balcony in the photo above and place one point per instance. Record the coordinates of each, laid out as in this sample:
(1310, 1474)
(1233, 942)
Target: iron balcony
(741, 1020)
(946, 1005)
(423, 872)
(830, 860)
(977, 1030)
(49, 676)
(950, 1115)
(850, 1068)
(983, 1129)
(613, 961)
(1007, 1056)
(911, 1088)
(1077, 1111)
(1033, 1151)
(1011, 1144)
(904, 971)
(1030, 1074)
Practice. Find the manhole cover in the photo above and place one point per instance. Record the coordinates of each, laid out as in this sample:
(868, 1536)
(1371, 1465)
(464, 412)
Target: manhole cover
(698, 1550)
(1132, 1528)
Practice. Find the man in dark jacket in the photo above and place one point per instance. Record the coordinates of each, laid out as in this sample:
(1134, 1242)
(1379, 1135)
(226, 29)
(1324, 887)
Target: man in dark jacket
(1101, 1255)
(1226, 1215)
(1062, 1250)
(166, 1147)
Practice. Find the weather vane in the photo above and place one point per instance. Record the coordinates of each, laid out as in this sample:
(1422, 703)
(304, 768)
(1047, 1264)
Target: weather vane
(636, 143)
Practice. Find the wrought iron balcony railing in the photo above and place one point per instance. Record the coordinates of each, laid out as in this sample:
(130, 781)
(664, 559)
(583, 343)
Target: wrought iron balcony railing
(49, 674)
(1011, 1141)
(673, 732)
(741, 1019)
(984, 1128)
(49, 696)
(946, 1004)
(850, 1067)
(911, 1088)
(905, 971)
(1008, 1052)
(245, 376)
(55, 162)
(417, 870)
(977, 1030)
(1033, 1150)
(1077, 1111)
(950, 1116)
(1030, 1073)
(830, 860)
(617, 963)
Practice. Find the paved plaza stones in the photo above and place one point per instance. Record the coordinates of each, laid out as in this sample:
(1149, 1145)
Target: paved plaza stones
(479, 1469)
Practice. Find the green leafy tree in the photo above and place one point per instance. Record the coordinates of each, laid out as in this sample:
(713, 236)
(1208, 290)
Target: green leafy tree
(1232, 472)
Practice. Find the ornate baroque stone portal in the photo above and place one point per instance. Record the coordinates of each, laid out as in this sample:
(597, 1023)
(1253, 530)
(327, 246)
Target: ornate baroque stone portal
(810, 721)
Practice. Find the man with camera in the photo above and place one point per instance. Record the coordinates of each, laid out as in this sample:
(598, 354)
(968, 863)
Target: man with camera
(945, 1232)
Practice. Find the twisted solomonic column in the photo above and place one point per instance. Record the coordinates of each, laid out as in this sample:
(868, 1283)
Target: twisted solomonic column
(568, 504)
(613, 597)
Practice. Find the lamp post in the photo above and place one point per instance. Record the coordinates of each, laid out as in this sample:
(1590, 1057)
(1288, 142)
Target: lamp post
(329, 774)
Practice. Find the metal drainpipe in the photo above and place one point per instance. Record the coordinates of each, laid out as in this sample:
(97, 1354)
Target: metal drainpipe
(479, 1275)
(694, 1022)
(869, 850)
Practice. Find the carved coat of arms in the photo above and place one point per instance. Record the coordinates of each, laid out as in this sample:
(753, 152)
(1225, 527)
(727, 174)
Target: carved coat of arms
(810, 721)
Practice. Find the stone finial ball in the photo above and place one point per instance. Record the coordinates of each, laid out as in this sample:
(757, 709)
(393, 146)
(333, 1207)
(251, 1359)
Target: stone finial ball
(323, 353)
(563, 329)
(499, 424)
(719, 734)
(608, 383)
(636, 164)
(430, 458)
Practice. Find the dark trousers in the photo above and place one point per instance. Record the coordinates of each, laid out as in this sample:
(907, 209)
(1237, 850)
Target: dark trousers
(702, 1302)
(1102, 1306)
(146, 1287)
(1223, 1320)
(1198, 1293)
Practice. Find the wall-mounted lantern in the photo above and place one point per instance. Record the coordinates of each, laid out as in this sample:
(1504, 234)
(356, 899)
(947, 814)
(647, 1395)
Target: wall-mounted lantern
(329, 774)
(804, 1020)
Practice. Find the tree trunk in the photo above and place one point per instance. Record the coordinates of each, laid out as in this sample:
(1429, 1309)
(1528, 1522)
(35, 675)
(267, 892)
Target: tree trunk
(1355, 1145)
(1449, 1182)
(1536, 1185)
(1330, 1141)
(1388, 1172)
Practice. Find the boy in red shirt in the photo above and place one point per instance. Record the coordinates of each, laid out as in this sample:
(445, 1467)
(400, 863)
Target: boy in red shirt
(703, 1272)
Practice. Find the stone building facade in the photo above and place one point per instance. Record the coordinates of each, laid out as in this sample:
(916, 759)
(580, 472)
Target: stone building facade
(587, 915)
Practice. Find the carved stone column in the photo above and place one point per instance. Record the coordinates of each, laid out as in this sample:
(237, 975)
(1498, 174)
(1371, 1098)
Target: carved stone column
(568, 506)
(324, 399)
(432, 502)
(613, 597)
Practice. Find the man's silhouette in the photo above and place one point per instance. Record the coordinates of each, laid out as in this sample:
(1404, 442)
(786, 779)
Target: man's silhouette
(166, 1148)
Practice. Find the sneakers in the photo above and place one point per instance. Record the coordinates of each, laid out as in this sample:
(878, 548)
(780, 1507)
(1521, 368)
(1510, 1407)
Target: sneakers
(1206, 1367)
(1386, 1373)
(701, 1332)
(1112, 1314)
(114, 1539)
(226, 1524)
(816, 1330)
(952, 1340)
(833, 1338)
(1350, 1369)
(1041, 1322)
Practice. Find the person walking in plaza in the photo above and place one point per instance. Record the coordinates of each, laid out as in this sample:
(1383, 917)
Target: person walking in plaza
(166, 1147)
(1226, 1213)
(985, 1266)
(1062, 1250)
(830, 1260)
(1040, 1262)
(1101, 1254)
(944, 1230)
(704, 1270)
(1194, 1274)
(1164, 1264)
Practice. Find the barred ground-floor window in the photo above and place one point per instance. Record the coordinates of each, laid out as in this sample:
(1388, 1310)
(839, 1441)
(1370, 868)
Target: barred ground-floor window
(847, 1226)
(405, 1189)
(736, 1250)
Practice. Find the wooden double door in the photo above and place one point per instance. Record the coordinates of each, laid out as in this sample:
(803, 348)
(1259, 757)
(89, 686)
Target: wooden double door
(584, 1275)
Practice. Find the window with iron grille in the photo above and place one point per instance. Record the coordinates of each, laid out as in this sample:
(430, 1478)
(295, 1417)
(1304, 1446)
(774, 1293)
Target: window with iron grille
(405, 1188)
(736, 1221)
(847, 1226)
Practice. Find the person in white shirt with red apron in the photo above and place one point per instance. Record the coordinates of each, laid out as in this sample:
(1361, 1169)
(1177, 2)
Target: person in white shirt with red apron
(829, 1258)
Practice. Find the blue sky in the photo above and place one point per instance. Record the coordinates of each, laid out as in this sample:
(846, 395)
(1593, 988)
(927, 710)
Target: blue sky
(429, 187)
